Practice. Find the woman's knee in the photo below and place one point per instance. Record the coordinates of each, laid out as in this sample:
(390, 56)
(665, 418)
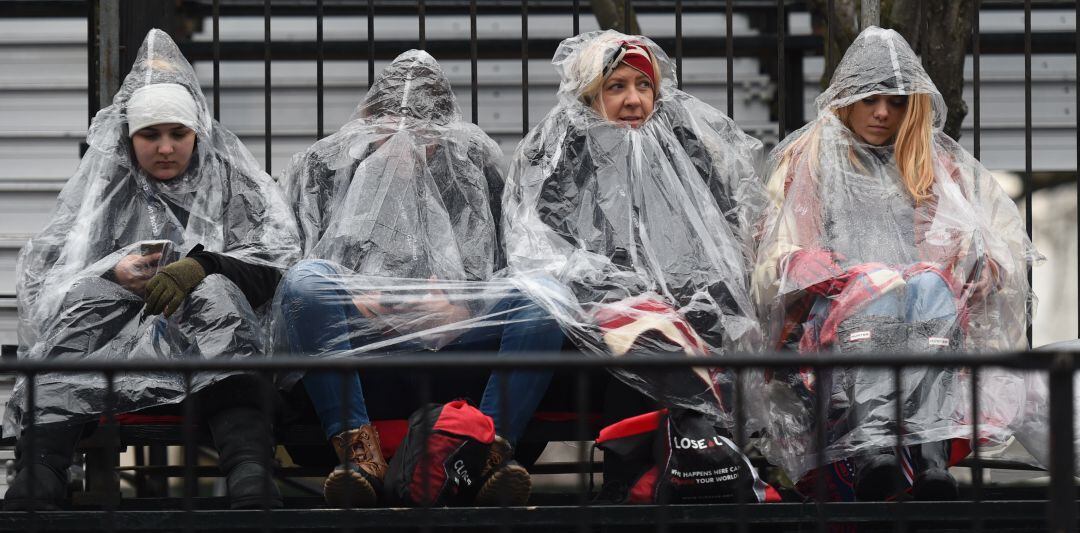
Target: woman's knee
(308, 278)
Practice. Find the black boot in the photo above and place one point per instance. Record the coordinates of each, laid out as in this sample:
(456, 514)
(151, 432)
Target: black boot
(245, 449)
(41, 481)
(933, 482)
(877, 477)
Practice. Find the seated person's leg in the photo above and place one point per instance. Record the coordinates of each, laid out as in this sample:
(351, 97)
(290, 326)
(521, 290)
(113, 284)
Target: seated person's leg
(319, 319)
(47, 463)
(244, 439)
(877, 327)
(529, 329)
(511, 397)
(931, 310)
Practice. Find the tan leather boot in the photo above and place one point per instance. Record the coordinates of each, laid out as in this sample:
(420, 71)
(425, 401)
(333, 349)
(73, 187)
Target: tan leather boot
(358, 481)
(505, 482)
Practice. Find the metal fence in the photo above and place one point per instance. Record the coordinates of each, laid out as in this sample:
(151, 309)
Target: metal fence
(1056, 511)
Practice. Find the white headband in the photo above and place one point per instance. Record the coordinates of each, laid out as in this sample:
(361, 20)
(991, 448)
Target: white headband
(161, 103)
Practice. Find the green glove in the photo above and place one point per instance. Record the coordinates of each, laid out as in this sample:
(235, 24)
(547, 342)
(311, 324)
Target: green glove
(168, 288)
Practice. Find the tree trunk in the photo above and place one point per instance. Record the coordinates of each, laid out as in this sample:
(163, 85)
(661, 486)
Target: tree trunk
(939, 32)
(611, 15)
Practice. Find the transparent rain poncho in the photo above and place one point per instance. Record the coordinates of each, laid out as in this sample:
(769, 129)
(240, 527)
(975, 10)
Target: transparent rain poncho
(399, 214)
(850, 262)
(70, 303)
(642, 235)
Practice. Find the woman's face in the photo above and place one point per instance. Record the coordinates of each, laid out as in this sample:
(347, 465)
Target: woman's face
(876, 118)
(627, 97)
(164, 150)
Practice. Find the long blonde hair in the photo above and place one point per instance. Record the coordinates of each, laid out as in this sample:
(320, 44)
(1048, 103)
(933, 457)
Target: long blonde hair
(913, 145)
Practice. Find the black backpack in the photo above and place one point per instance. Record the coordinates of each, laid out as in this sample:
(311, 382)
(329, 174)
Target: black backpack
(690, 461)
(456, 438)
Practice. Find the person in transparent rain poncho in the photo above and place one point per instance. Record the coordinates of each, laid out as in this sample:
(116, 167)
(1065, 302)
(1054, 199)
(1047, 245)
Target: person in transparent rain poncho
(399, 213)
(884, 235)
(105, 281)
(635, 199)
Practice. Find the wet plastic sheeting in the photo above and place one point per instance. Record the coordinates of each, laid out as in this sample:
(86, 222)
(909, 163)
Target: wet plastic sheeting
(110, 220)
(399, 213)
(640, 235)
(851, 261)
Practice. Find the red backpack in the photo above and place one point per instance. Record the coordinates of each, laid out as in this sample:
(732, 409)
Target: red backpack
(440, 460)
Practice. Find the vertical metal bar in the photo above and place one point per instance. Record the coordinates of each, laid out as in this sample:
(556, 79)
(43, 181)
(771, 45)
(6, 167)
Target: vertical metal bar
(584, 457)
(524, 67)
(1027, 150)
(626, 17)
(473, 52)
(108, 46)
(266, 81)
(1062, 455)
(660, 443)
(678, 43)
(191, 452)
(977, 469)
(729, 51)
(822, 382)
(217, 59)
(740, 442)
(898, 411)
(422, 11)
(871, 14)
(91, 61)
(110, 445)
(577, 17)
(976, 89)
(828, 36)
(320, 57)
(30, 433)
(371, 42)
(781, 67)
(427, 498)
(266, 394)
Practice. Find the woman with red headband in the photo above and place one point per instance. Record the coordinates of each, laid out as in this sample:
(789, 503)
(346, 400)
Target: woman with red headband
(636, 198)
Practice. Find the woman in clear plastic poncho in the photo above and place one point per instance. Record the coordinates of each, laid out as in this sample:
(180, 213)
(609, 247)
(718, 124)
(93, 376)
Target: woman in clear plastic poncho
(105, 281)
(884, 235)
(400, 216)
(638, 207)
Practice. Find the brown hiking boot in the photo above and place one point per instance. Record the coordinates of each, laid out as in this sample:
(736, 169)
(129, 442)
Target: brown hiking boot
(505, 482)
(358, 480)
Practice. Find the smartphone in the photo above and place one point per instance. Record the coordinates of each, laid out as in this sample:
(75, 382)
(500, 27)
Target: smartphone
(153, 247)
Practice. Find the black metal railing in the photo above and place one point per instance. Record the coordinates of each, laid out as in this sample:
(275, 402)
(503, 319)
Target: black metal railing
(1056, 512)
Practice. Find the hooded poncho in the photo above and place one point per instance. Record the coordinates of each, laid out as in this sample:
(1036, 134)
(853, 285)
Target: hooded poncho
(69, 305)
(403, 201)
(643, 232)
(840, 213)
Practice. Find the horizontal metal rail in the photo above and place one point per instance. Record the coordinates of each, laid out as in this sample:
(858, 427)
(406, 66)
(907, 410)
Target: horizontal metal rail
(1030, 360)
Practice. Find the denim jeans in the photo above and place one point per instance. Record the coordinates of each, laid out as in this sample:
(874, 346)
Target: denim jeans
(320, 321)
(926, 296)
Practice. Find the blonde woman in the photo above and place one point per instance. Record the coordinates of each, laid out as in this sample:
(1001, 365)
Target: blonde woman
(884, 235)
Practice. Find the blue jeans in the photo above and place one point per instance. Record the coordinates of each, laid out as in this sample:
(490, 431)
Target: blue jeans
(320, 318)
(926, 296)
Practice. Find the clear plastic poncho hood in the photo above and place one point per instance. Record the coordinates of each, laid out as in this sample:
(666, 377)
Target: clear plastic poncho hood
(69, 302)
(645, 232)
(844, 239)
(399, 207)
